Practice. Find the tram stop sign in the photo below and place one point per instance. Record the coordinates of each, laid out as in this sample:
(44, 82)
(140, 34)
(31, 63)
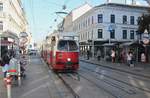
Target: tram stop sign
(23, 34)
(145, 37)
(111, 27)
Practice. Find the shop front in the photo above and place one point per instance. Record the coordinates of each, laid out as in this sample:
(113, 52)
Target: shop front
(8, 42)
(135, 48)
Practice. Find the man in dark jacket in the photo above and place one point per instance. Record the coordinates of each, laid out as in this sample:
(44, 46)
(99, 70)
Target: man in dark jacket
(5, 60)
(1, 62)
(88, 54)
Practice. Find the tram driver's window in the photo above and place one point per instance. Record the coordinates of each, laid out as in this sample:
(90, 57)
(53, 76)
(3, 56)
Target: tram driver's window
(62, 45)
(72, 46)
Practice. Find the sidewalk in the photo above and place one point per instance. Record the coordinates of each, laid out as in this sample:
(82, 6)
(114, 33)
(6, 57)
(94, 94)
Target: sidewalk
(139, 68)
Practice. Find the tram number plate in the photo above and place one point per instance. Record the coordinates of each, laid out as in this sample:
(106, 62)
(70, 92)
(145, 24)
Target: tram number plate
(68, 64)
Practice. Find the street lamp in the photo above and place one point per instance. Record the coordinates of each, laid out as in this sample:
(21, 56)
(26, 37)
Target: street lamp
(138, 34)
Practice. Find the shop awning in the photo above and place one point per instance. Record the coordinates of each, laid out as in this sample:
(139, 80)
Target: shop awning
(9, 34)
(126, 44)
(129, 44)
(109, 44)
(6, 43)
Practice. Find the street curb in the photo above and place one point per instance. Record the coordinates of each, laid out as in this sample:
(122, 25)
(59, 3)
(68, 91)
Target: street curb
(121, 70)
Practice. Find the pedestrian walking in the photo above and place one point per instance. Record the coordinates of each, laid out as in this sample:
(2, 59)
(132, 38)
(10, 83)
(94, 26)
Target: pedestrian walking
(113, 54)
(88, 54)
(130, 59)
(98, 55)
(23, 64)
(13, 66)
(143, 58)
(123, 56)
(5, 60)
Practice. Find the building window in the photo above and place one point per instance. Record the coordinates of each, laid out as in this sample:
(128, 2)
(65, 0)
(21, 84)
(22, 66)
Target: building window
(138, 19)
(92, 19)
(92, 35)
(112, 34)
(84, 24)
(100, 33)
(88, 21)
(124, 19)
(112, 18)
(100, 18)
(132, 34)
(87, 35)
(79, 26)
(1, 25)
(1, 6)
(84, 36)
(132, 20)
(124, 34)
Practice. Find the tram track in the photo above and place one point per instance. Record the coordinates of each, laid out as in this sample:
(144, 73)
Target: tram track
(120, 81)
(121, 88)
(93, 83)
(135, 76)
(75, 95)
(100, 87)
(119, 70)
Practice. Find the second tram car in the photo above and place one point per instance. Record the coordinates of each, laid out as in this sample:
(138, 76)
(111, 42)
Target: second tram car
(61, 51)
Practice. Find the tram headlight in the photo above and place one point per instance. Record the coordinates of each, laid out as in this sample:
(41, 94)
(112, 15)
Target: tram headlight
(69, 59)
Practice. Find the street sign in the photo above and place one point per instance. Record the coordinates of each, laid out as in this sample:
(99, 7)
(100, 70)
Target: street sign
(23, 34)
(111, 27)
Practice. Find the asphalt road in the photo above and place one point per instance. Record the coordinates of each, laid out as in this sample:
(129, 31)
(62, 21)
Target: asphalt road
(91, 81)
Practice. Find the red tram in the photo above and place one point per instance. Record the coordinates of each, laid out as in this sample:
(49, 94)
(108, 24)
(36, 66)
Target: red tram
(61, 51)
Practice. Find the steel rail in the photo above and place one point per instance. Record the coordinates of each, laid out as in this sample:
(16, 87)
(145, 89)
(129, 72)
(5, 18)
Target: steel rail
(142, 89)
(68, 86)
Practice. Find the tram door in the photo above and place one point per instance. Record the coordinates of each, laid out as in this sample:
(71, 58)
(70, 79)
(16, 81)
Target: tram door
(52, 54)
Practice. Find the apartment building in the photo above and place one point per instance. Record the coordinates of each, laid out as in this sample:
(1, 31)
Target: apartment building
(67, 23)
(108, 24)
(12, 22)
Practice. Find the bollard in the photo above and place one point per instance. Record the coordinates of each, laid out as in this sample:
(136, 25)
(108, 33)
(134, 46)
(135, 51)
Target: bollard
(19, 79)
(19, 75)
(8, 85)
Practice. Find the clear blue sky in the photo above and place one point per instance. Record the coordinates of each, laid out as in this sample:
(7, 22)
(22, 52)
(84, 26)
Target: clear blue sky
(41, 14)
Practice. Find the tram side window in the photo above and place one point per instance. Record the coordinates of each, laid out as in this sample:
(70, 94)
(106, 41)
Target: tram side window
(62, 45)
(72, 46)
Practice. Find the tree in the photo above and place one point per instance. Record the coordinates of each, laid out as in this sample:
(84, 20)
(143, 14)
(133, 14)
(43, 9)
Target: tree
(144, 23)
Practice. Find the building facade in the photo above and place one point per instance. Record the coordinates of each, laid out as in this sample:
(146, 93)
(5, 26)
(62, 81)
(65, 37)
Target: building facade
(12, 22)
(108, 24)
(73, 15)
